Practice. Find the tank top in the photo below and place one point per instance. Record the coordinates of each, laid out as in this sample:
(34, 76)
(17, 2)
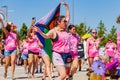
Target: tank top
(25, 48)
(92, 47)
(62, 44)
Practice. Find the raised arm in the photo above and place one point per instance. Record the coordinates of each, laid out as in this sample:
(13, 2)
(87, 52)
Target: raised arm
(31, 26)
(3, 27)
(67, 11)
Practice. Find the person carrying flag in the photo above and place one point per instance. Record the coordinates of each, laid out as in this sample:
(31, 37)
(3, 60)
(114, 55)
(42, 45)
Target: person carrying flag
(60, 41)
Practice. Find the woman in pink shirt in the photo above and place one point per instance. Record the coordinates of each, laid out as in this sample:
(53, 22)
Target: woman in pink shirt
(74, 39)
(60, 42)
(11, 44)
(24, 50)
(34, 46)
(92, 47)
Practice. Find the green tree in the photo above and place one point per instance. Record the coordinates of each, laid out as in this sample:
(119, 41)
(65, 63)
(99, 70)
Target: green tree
(23, 32)
(101, 29)
(82, 29)
(113, 34)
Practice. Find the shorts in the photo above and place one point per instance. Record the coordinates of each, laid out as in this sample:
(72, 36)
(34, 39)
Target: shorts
(57, 59)
(24, 56)
(30, 52)
(10, 52)
(44, 53)
(39, 57)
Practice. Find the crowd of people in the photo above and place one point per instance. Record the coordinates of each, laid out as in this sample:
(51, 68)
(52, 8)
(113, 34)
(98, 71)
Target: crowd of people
(69, 50)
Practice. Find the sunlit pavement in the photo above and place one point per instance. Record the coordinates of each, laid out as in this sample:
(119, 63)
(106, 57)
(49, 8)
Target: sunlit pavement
(20, 75)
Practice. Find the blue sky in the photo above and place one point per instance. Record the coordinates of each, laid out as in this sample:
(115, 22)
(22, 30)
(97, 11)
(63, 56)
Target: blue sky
(87, 11)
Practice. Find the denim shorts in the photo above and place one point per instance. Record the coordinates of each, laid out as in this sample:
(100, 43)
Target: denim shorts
(44, 53)
(24, 56)
(9, 52)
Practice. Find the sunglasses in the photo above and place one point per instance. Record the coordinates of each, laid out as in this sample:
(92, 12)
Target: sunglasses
(94, 32)
(65, 21)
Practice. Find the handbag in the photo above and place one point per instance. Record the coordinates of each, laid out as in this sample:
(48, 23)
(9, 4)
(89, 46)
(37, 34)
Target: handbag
(67, 57)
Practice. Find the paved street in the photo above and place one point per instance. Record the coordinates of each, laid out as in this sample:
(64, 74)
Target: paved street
(20, 75)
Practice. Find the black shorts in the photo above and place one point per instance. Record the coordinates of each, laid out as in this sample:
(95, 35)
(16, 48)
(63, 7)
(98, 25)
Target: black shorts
(39, 57)
(30, 52)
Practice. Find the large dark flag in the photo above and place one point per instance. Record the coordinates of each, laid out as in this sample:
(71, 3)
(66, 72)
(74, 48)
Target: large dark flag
(45, 24)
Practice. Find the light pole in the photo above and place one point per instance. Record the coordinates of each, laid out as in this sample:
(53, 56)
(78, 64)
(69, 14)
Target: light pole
(6, 7)
(73, 12)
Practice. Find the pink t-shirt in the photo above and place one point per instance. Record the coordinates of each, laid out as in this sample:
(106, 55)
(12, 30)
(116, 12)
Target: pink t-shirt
(25, 48)
(62, 44)
(11, 41)
(33, 44)
(74, 44)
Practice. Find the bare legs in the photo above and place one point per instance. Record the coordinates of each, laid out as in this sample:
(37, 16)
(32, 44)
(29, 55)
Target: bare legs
(47, 62)
(9, 59)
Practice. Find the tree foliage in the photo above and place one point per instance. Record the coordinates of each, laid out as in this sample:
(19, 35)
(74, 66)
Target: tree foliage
(23, 32)
(82, 29)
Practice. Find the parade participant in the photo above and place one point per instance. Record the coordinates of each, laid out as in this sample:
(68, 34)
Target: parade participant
(24, 50)
(60, 42)
(39, 61)
(74, 39)
(11, 44)
(92, 47)
(81, 53)
(33, 49)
